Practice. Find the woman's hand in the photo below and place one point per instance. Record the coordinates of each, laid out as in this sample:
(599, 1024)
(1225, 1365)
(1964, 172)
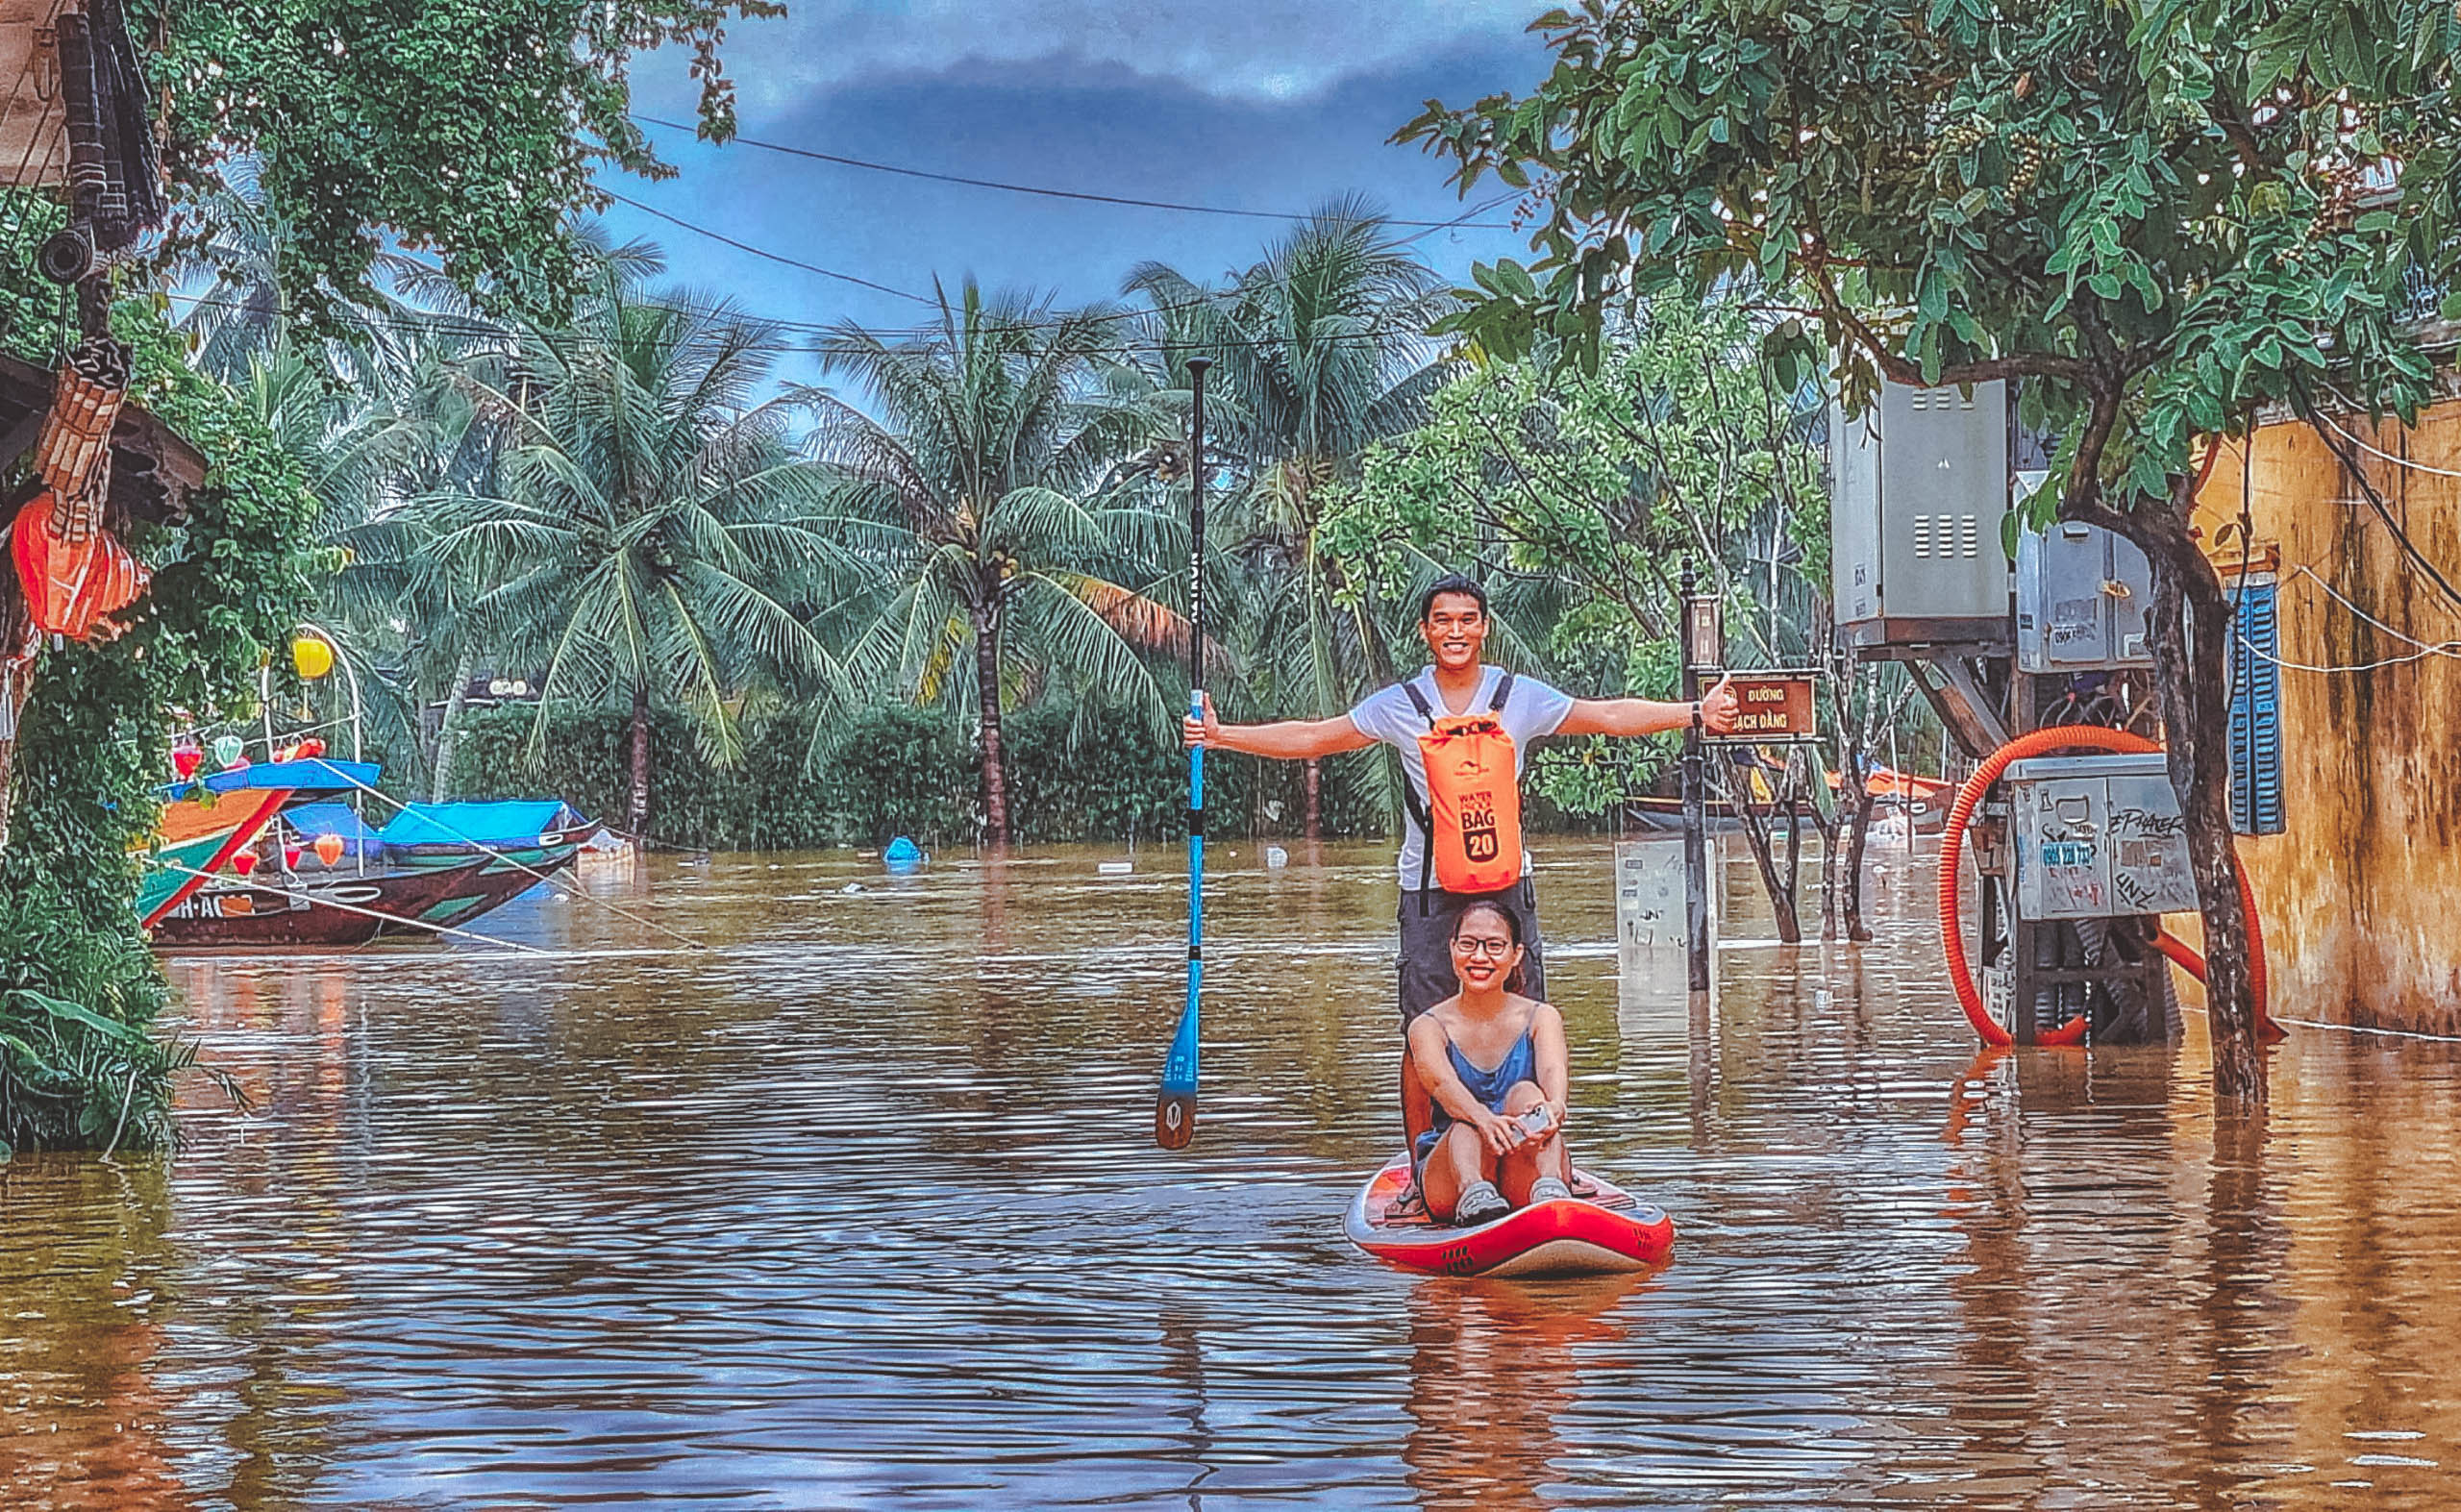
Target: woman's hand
(1555, 1124)
(1500, 1134)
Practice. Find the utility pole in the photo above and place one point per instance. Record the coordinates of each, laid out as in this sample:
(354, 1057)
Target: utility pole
(1696, 819)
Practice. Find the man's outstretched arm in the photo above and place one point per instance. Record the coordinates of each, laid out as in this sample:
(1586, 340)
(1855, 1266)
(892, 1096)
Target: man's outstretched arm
(1643, 716)
(1284, 739)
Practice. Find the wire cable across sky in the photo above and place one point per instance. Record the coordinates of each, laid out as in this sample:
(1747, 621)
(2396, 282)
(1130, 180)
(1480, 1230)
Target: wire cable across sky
(1045, 191)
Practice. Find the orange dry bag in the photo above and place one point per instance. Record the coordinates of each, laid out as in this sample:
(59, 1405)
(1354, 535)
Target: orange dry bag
(1473, 817)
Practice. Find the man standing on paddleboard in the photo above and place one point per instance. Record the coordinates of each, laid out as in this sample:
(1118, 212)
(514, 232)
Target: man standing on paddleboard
(1460, 719)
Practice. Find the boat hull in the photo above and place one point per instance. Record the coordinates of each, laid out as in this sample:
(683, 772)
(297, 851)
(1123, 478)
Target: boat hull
(303, 915)
(1602, 1232)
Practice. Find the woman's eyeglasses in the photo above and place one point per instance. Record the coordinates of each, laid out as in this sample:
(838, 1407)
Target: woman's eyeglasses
(1499, 948)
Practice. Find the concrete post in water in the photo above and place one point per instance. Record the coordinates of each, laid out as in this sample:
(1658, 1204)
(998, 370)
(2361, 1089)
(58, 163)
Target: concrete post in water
(1695, 859)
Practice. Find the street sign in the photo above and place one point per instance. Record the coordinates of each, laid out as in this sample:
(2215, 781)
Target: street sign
(1773, 707)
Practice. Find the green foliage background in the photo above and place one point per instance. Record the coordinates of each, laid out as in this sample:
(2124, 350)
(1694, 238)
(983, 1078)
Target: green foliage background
(77, 986)
(899, 769)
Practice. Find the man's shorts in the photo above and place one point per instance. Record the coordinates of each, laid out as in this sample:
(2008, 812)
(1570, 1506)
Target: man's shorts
(1428, 978)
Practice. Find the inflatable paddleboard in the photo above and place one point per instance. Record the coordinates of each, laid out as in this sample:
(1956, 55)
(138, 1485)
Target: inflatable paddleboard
(1599, 1230)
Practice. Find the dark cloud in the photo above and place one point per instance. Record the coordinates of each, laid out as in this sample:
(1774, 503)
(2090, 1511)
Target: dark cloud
(1074, 122)
(1253, 49)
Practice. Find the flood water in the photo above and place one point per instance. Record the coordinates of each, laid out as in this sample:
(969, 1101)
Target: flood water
(859, 1208)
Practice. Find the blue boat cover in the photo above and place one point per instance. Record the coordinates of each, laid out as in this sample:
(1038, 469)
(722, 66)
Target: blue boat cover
(513, 823)
(312, 778)
(309, 821)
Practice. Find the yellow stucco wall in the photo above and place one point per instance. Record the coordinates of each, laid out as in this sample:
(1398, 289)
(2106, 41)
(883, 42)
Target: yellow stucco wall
(2361, 897)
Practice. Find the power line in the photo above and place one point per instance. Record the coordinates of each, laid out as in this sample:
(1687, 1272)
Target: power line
(762, 251)
(1159, 306)
(2409, 463)
(2375, 501)
(1044, 191)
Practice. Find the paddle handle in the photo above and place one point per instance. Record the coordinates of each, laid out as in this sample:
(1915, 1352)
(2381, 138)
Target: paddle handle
(1175, 1111)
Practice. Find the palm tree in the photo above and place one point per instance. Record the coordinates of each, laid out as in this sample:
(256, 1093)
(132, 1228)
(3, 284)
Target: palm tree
(354, 448)
(238, 310)
(1320, 349)
(640, 542)
(992, 486)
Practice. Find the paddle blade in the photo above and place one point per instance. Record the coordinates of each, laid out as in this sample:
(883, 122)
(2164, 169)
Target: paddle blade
(1175, 1119)
(1175, 1110)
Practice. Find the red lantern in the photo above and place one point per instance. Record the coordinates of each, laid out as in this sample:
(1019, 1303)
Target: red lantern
(329, 848)
(185, 758)
(290, 856)
(244, 863)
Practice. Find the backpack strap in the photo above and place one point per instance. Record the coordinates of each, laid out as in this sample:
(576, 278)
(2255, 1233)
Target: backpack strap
(1504, 692)
(1414, 805)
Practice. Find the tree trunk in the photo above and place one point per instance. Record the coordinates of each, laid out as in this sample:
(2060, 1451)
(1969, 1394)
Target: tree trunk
(1832, 852)
(448, 731)
(2191, 628)
(1857, 833)
(638, 814)
(995, 769)
(1781, 894)
(1315, 812)
(16, 681)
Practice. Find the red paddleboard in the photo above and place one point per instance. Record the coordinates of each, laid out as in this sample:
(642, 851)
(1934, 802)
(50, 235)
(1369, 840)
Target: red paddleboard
(1600, 1229)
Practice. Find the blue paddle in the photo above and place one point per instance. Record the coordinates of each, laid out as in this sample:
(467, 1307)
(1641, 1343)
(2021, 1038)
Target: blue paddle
(1175, 1111)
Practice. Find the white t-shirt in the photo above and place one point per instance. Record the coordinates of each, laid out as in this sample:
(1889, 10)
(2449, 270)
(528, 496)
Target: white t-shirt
(1534, 712)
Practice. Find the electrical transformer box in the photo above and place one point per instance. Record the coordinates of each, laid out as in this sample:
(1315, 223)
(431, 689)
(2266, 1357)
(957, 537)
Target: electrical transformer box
(2081, 596)
(1918, 486)
(2096, 838)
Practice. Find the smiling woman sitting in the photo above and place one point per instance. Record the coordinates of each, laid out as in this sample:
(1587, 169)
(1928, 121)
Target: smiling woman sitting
(1495, 1063)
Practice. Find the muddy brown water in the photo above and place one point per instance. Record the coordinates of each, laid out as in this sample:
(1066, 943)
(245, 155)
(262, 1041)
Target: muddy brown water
(861, 1209)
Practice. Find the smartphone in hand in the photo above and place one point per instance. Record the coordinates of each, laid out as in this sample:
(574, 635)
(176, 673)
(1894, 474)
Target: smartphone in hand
(1536, 1122)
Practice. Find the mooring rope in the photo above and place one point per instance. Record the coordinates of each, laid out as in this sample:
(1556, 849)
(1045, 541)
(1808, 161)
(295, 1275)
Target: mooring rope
(313, 901)
(621, 913)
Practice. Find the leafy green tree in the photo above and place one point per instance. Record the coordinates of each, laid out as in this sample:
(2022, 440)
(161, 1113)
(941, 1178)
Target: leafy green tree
(467, 129)
(2157, 216)
(1320, 348)
(990, 489)
(77, 986)
(641, 543)
(1679, 448)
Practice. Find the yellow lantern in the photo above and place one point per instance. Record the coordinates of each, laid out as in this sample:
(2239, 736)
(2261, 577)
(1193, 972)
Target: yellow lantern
(311, 656)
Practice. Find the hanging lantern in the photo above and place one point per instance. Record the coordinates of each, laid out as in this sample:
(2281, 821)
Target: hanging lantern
(313, 656)
(244, 863)
(291, 856)
(329, 848)
(227, 749)
(187, 755)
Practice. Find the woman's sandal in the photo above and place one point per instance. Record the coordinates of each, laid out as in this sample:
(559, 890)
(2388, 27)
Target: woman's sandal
(1548, 1189)
(1480, 1204)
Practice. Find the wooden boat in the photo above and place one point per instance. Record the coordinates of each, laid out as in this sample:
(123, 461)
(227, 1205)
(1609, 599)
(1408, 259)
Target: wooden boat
(1599, 1229)
(1656, 811)
(209, 820)
(337, 912)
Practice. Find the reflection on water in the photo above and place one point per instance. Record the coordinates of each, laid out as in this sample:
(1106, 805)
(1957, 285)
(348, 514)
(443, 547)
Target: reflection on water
(860, 1207)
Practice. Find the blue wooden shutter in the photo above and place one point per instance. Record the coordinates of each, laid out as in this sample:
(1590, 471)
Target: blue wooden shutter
(2255, 713)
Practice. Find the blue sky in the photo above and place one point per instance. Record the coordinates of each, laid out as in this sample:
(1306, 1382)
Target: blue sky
(1274, 105)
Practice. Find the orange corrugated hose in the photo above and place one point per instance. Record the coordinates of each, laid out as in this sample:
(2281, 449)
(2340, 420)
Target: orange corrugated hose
(2042, 742)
